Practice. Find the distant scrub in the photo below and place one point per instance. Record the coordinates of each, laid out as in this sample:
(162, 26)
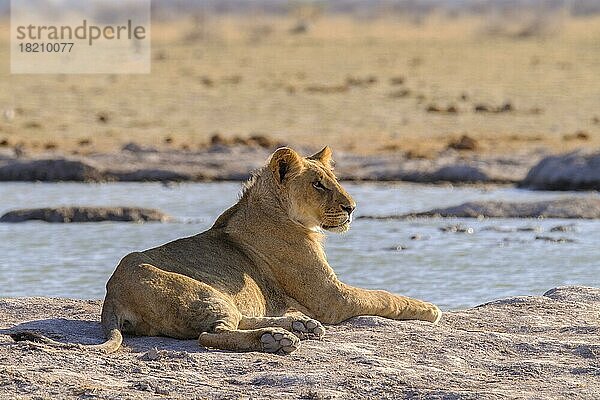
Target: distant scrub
(412, 9)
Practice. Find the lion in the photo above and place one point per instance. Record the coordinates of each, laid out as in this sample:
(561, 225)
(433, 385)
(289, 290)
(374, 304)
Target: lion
(258, 279)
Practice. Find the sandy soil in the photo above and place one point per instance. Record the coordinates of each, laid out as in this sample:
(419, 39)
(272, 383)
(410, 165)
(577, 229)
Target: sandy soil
(522, 347)
(383, 85)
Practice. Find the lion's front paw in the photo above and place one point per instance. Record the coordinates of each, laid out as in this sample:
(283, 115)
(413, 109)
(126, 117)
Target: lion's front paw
(308, 329)
(280, 341)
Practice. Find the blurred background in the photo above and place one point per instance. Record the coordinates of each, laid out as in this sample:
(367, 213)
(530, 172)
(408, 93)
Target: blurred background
(364, 76)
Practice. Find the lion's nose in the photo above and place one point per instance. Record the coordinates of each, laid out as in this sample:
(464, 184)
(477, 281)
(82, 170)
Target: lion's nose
(348, 209)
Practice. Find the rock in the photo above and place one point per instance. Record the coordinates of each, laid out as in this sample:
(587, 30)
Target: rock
(554, 239)
(482, 108)
(572, 171)
(458, 228)
(361, 82)
(459, 173)
(300, 27)
(399, 247)
(327, 88)
(85, 214)
(527, 346)
(136, 148)
(563, 228)
(450, 109)
(456, 173)
(102, 117)
(579, 135)
(568, 207)
(150, 175)
(464, 143)
(397, 80)
(506, 107)
(49, 170)
(217, 139)
(400, 93)
(263, 141)
(510, 229)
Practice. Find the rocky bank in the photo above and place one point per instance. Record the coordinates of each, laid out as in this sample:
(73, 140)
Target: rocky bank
(579, 170)
(235, 161)
(527, 347)
(86, 214)
(581, 207)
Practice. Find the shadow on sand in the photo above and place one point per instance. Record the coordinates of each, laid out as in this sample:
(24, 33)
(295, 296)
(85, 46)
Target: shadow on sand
(90, 332)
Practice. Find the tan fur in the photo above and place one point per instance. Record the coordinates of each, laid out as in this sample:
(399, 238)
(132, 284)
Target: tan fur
(258, 279)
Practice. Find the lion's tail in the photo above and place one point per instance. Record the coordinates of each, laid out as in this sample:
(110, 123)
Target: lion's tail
(111, 345)
(114, 338)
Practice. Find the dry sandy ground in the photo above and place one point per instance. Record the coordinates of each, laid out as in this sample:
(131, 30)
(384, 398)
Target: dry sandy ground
(361, 85)
(533, 347)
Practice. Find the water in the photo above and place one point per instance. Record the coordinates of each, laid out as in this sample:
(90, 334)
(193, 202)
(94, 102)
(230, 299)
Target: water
(454, 270)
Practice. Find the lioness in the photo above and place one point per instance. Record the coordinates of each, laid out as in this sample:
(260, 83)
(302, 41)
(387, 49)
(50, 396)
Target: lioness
(258, 280)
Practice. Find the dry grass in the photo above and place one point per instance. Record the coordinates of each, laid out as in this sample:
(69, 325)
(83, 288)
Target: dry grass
(338, 83)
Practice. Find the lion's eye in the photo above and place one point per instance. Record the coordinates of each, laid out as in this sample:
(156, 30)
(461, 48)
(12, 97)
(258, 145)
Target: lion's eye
(319, 186)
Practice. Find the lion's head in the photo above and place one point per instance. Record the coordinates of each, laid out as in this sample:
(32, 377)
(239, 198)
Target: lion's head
(311, 193)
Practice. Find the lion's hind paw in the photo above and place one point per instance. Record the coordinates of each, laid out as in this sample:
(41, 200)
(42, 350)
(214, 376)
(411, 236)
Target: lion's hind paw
(308, 329)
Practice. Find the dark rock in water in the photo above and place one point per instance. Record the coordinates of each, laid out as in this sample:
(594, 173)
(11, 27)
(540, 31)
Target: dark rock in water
(154, 175)
(506, 241)
(399, 247)
(509, 229)
(418, 236)
(499, 229)
(554, 240)
(530, 229)
(233, 175)
(459, 173)
(456, 173)
(459, 228)
(563, 228)
(573, 171)
(86, 214)
(570, 207)
(576, 207)
(50, 170)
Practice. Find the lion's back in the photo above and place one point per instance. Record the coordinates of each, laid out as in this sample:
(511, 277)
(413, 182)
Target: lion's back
(213, 258)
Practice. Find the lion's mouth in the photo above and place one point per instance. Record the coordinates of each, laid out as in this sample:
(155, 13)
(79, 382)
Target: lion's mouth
(334, 227)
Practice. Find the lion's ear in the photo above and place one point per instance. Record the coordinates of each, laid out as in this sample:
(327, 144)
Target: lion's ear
(324, 156)
(284, 162)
